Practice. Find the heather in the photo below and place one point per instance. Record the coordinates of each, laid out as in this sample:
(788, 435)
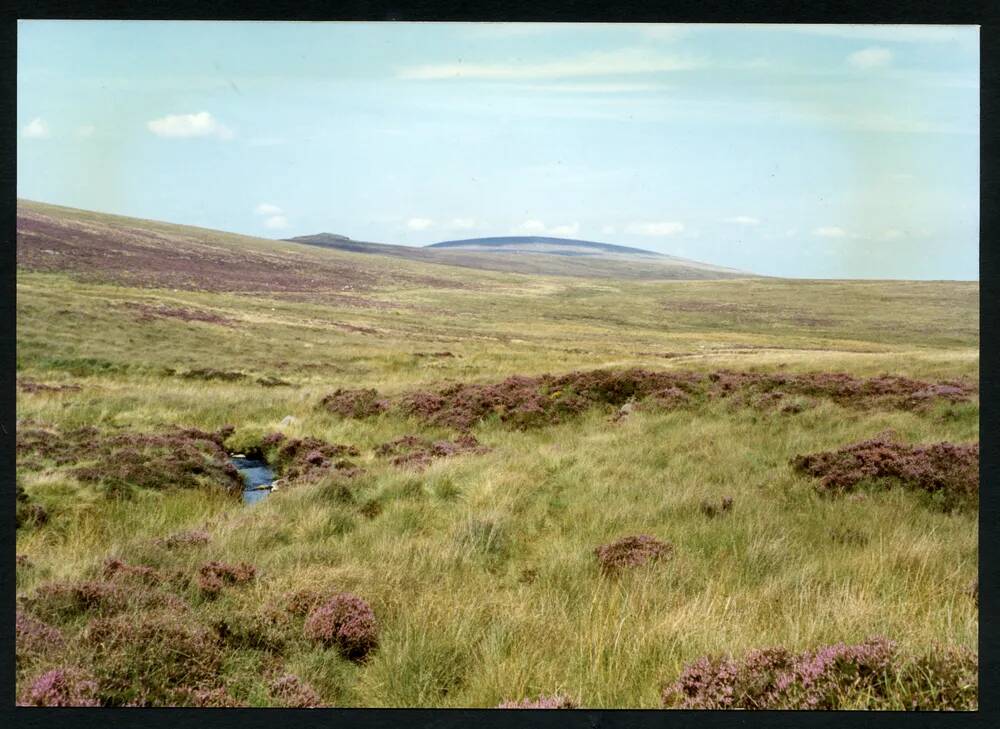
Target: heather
(479, 565)
(525, 402)
(555, 701)
(122, 461)
(867, 675)
(345, 622)
(629, 552)
(948, 472)
(61, 687)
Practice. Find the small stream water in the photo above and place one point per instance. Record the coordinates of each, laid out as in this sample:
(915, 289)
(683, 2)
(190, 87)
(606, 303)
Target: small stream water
(257, 478)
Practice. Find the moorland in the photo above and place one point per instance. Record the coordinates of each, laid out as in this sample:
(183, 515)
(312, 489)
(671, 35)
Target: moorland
(494, 486)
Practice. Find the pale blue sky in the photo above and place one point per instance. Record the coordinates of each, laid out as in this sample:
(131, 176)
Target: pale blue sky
(818, 151)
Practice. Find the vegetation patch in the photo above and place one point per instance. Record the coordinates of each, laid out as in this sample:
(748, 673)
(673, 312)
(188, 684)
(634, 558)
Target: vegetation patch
(345, 622)
(629, 552)
(176, 459)
(308, 459)
(290, 691)
(949, 472)
(151, 312)
(32, 387)
(711, 509)
(26, 512)
(355, 403)
(207, 373)
(33, 638)
(555, 701)
(61, 687)
(155, 659)
(418, 452)
(868, 675)
(525, 402)
(214, 576)
(182, 539)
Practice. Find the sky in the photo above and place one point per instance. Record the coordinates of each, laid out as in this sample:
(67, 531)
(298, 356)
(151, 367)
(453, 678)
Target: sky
(809, 151)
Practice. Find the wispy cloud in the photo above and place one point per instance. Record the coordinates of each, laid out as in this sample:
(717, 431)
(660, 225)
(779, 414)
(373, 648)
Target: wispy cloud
(461, 224)
(743, 220)
(830, 231)
(202, 124)
(419, 223)
(537, 227)
(663, 228)
(274, 216)
(588, 88)
(37, 128)
(870, 58)
(598, 63)
(276, 222)
(87, 130)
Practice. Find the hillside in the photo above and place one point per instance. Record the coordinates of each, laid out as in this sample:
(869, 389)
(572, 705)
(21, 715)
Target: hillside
(462, 450)
(539, 256)
(542, 244)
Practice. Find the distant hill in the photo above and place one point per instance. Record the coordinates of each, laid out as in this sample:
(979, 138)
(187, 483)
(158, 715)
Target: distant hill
(542, 244)
(537, 255)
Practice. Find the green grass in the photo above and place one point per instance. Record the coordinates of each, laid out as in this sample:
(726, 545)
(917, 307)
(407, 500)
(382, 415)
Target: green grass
(481, 569)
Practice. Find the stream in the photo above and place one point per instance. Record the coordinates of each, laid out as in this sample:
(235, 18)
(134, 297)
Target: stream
(257, 478)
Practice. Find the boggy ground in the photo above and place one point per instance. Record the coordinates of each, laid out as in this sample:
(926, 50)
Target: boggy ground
(471, 571)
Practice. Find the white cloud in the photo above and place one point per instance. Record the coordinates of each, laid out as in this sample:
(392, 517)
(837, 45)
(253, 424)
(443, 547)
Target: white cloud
(461, 223)
(36, 129)
(419, 223)
(608, 230)
(893, 234)
(201, 124)
(596, 63)
(537, 227)
(743, 220)
(276, 221)
(529, 227)
(87, 130)
(830, 231)
(870, 58)
(654, 229)
(268, 209)
(588, 88)
(568, 230)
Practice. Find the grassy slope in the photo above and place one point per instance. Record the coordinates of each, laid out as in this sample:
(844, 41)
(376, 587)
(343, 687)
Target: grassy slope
(468, 627)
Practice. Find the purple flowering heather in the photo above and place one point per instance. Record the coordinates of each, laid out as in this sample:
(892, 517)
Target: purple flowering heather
(34, 637)
(556, 701)
(774, 678)
(61, 687)
(346, 622)
(294, 693)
